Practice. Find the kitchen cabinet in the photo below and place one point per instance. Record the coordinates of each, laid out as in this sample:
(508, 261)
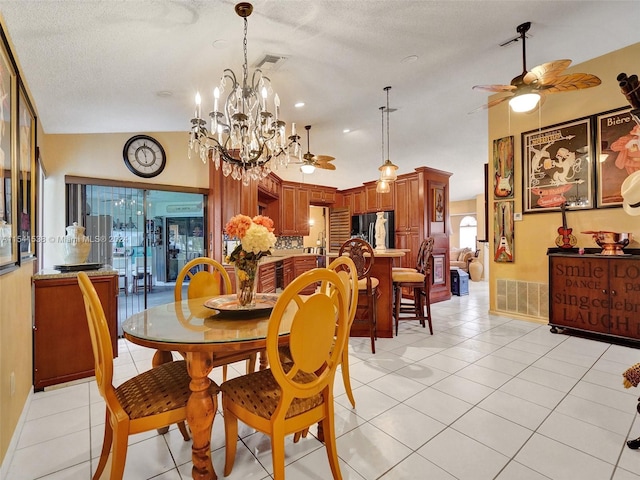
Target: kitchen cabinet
(287, 271)
(413, 201)
(267, 278)
(595, 293)
(62, 349)
(378, 202)
(304, 263)
(294, 210)
(270, 185)
(359, 201)
(319, 195)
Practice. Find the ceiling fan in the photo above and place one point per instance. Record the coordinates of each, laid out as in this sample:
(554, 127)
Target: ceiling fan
(310, 161)
(531, 86)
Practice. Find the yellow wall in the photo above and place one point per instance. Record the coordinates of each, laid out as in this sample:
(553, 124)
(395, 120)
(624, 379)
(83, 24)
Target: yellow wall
(15, 349)
(100, 156)
(537, 232)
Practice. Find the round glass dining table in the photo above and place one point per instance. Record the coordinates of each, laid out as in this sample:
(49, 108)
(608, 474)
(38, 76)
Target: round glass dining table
(208, 338)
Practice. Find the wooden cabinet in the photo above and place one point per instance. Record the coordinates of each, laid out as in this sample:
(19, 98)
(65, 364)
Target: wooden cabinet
(302, 264)
(270, 186)
(319, 195)
(294, 210)
(288, 273)
(359, 201)
(61, 343)
(267, 278)
(378, 202)
(595, 293)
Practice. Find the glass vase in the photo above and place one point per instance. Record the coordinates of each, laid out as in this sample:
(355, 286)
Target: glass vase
(246, 283)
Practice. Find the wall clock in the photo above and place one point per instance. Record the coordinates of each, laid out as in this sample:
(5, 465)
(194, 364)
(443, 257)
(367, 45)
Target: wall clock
(144, 156)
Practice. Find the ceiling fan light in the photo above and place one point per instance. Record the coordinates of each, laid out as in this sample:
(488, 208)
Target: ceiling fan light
(525, 102)
(382, 186)
(388, 171)
(307, 169)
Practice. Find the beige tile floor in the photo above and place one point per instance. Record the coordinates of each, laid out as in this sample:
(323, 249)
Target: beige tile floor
(485, 397)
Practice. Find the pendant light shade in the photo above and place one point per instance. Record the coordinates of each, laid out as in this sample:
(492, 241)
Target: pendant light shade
(388, 171)
(382, 186)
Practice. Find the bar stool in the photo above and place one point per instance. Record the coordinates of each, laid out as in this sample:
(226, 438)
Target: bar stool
(362, 254)
(420, 281)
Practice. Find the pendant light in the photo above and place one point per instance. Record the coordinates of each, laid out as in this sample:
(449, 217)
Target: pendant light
(388, 171)
(382, 186)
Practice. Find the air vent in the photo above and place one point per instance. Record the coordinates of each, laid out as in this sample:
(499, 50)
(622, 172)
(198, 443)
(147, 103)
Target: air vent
(270, 62)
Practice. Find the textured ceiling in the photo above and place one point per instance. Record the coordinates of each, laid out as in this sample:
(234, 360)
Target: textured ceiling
(99, 66)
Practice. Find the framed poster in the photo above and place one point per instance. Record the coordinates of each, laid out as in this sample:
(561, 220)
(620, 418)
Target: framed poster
(26, 174)
(8, 206)
(438, 269)
(503, 168)
(618, 154)
(503, 231)
(557, 167)
(438, 205)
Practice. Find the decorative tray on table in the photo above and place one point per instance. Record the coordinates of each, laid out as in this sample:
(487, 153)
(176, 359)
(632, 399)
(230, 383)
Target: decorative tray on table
(228, 307)
(78, 267)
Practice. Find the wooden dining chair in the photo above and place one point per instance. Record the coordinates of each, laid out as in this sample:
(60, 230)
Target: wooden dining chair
(419, 280)
(291, 396)
(363, 256)
(207, 278)
(154, 399)
(346, 270)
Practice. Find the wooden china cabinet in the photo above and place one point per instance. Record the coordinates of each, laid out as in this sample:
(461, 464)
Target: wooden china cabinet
(62, 349)
(415, 220)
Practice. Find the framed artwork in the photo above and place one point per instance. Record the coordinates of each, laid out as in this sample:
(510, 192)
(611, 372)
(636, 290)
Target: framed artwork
(503, 168)
(438, 269)
(8, 206)
(618, 154)
(26, 174)
(503, 231)
(438, 205)
(557, 167)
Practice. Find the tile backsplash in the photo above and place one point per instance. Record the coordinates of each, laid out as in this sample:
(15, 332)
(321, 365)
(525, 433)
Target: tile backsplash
(285, 243)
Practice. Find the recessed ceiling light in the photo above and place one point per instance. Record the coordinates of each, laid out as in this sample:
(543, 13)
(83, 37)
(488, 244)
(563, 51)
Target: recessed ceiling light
(164, 93)
(299, 105)
(346, 130)
(409, 59)
(220, 43)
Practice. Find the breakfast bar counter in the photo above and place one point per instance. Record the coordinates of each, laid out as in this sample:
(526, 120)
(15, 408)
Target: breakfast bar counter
(384, 261)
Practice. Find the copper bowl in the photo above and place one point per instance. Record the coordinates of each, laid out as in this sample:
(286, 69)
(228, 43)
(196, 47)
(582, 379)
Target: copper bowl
(612, 243)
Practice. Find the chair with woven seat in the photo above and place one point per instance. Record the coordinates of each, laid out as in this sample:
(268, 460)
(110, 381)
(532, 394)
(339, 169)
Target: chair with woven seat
(291, 396)
(151, 400)
(419, 280)
(207, 278)
(362, 254)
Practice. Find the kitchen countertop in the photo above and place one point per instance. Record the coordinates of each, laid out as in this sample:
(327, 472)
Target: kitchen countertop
(389, 252)
(49, 273)
(281, 255)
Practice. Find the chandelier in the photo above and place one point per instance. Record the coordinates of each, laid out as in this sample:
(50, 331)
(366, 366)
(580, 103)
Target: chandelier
(244, 137)
(388, 171)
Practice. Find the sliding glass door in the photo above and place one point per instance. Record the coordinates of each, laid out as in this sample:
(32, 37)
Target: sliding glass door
(147, 236)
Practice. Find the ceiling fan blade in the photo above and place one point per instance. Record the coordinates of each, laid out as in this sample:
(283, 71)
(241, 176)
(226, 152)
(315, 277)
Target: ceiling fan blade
(326, 166)
(495, 88)
(574, 81)
(490, 104)
(323, 158)
(547, 72)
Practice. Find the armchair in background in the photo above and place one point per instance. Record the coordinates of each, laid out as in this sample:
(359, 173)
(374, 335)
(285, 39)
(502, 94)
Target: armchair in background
(460, 258)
